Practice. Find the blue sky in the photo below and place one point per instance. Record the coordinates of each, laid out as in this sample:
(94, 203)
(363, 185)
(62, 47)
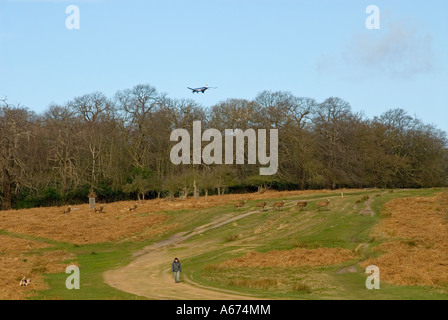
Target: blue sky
(314, 49)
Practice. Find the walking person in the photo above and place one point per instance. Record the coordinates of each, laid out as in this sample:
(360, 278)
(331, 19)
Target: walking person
(176, 268)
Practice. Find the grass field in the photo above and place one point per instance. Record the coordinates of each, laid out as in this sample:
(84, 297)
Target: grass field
(275, 254)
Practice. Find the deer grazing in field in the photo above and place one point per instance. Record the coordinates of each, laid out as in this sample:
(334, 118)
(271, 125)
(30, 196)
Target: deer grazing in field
(239, 204)
(134, 207)
(323, 204)
(301, 205)
(67, 210)
(99, 209)
(24, 282)
(278, 205)
(262, 190)
(261, 205)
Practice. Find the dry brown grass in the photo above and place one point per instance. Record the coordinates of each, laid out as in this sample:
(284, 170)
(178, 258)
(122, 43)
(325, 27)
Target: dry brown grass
(80, 226)
(292, 258)
(84, 226)
(416, 247)
(19, 258)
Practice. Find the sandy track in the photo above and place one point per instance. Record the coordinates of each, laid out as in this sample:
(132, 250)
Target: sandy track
(149, 275)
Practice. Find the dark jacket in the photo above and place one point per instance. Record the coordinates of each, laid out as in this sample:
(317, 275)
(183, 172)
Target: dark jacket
(176, 266)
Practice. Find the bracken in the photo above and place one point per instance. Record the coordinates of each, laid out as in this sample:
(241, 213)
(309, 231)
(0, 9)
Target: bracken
(415, 251)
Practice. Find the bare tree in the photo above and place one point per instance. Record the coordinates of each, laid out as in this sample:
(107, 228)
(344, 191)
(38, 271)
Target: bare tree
(135, 106)
(14, 132)
(62, 133)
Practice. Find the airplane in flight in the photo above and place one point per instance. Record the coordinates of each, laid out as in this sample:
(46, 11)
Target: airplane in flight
(201, 89)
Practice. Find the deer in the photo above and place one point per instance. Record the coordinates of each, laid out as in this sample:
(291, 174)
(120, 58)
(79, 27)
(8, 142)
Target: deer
(301, 204)
(67, 210)
(100, 209)
(262, 190)
(24, 282)
(134, 207)
(278, 205)
(239, 204)
(261, 205)
(323, 204)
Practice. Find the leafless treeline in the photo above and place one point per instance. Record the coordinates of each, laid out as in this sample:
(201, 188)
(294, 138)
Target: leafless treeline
(120, 145)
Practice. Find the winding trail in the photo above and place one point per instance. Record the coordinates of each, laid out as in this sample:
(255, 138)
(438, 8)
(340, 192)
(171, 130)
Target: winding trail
(149, 275)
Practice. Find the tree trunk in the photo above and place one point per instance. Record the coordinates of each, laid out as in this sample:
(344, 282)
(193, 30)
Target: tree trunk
(196, 195)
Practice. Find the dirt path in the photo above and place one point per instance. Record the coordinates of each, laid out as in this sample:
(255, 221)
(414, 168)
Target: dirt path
(367, 210)
(149, 275)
